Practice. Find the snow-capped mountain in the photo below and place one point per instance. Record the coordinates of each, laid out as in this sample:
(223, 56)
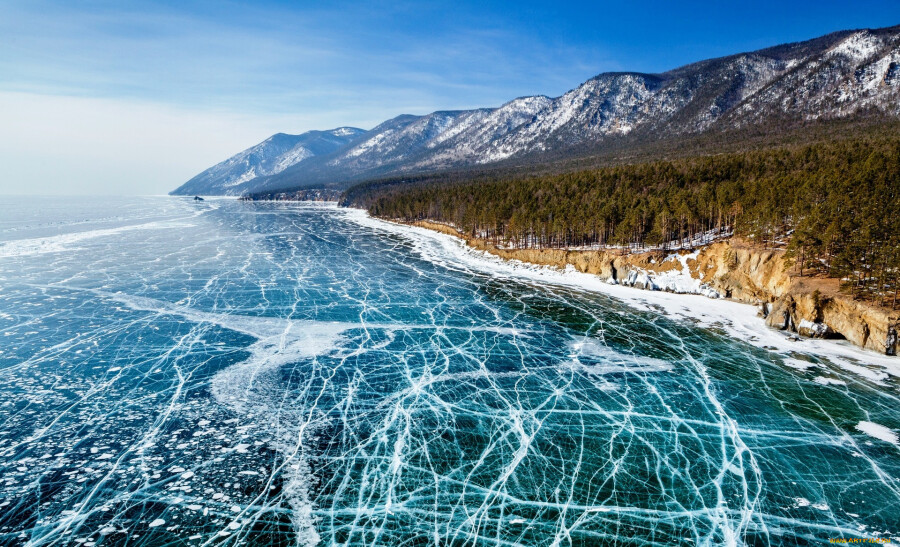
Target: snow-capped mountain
(835, 76)
(840, 75)
(270, 157)
(419, 143)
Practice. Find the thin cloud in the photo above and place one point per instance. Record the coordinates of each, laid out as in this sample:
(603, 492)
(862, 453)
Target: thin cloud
(216, 77)
(185, 58)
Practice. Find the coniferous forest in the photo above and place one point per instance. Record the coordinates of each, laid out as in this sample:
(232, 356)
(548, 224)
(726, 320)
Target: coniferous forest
(835, 207)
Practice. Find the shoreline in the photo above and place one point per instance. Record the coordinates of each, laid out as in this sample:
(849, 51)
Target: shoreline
(809, 306)
(737, 319)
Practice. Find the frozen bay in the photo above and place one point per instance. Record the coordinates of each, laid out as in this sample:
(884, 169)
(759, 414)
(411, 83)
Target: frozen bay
(229, 372)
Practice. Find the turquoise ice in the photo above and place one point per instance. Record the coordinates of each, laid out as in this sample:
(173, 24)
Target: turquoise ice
(262, 373)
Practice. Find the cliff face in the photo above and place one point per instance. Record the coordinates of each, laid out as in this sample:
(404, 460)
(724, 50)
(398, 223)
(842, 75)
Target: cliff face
(808, 306)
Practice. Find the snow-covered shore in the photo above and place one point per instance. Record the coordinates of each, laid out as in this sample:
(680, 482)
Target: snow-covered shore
(690, 300)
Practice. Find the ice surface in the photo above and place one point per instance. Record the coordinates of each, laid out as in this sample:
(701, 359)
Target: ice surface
(63, 242)
(878, 431)
(283, 374)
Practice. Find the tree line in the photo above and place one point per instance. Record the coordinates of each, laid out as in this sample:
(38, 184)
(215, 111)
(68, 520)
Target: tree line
(835, 206)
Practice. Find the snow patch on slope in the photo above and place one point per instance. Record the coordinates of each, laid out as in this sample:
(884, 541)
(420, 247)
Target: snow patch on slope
(858, 46)
(679, 281)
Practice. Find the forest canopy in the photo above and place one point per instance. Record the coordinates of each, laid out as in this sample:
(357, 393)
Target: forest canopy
(834, 206)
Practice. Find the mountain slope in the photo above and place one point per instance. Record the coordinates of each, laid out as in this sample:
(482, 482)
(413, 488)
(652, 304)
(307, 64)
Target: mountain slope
(844, 75)
(836, 76)
(436, 140)
(270, 157)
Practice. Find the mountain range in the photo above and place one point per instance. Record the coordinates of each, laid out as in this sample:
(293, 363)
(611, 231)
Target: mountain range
(243, 172)
(842, 75)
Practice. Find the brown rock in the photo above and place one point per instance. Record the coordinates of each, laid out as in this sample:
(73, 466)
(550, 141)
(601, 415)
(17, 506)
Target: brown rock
(809, 306)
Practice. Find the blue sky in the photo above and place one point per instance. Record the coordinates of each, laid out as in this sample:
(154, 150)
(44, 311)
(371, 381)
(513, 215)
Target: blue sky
(125, 97)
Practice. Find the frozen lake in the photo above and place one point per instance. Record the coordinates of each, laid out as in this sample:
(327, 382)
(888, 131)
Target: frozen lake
(179, 372)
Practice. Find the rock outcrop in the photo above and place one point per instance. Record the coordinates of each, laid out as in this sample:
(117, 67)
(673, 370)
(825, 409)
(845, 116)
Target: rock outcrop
(807, 306)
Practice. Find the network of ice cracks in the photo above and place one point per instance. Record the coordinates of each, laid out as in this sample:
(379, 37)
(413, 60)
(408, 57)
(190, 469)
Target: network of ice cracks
(302, 375)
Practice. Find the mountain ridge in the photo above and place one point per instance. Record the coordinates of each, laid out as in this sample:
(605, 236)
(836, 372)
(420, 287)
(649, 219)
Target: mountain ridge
(836, 76)
(235, 175)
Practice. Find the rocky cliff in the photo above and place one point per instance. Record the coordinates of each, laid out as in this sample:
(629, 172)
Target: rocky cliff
(807, 306)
